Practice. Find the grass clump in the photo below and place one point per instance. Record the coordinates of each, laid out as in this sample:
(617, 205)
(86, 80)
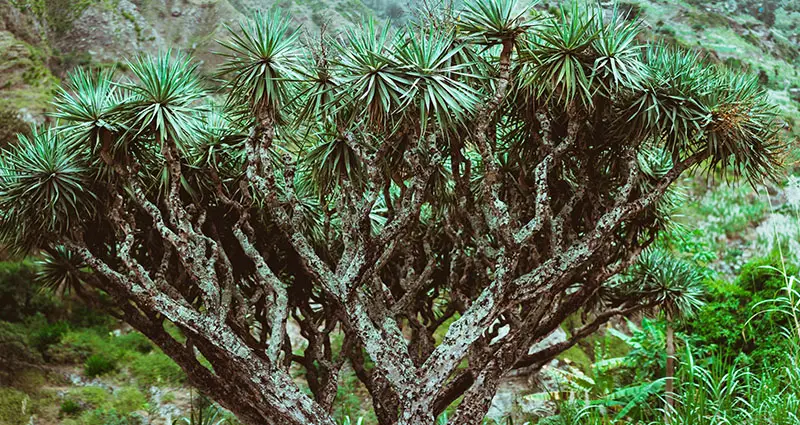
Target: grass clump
(70, 407)
(128, 400)
(90, 396)
(98, 365)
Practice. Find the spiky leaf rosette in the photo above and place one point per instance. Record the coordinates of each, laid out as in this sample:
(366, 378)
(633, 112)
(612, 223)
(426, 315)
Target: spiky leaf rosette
(87, 106)
(317, 95)
(559, 57)
(740, 129)
(436, 89)
(163, 98)
(658, 280)
(666, 107)
(219, 146)
(44, 189)
(493, 21)
(371, 83)
(333, 160)
(619, 63)
(59, 270)
(260, 62)
(689, 107)
(667, 281)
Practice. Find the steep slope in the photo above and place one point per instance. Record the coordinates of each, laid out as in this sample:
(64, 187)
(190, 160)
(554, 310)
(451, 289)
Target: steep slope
(26, 82)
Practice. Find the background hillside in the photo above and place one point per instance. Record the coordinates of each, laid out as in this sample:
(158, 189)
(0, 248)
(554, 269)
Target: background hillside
(63, 363)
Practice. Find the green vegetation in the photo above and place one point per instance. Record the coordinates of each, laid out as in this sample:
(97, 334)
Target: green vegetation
(156, 368)
(736, 350)
(40, 329)
(98, 364)
(712, 386)
(14, 406)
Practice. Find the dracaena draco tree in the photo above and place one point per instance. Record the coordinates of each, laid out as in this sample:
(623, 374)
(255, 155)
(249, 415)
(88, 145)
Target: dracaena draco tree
(480, 178)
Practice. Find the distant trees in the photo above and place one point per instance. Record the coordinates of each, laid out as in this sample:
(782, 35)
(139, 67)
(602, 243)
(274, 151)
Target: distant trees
(481, 177)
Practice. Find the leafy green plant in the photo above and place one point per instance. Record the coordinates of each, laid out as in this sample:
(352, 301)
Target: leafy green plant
(94, 397)
(15, 349)
(20, 298)
(108, 417)
(646, 341)
(50, 175)
(98, 364)
(723, 323)
(47, 334)
(260, 59)
(70, 408)
(613, 387)
(134, 341)
(15, 407)
(128, 400)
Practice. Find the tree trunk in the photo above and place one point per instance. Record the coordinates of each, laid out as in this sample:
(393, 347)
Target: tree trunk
(416, 414)
(670, 372)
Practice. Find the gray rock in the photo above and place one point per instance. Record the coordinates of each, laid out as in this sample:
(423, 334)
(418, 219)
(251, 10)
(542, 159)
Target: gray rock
(794, 93)
(509, 401)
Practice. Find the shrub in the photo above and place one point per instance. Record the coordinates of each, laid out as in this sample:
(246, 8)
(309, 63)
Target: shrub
(47, 334)
(70, 407)
(18, 296)
(76, 346)
(14, 350)
(720, 324)
(93, 396)
(108, 417)
(128, 400)
(97, 365)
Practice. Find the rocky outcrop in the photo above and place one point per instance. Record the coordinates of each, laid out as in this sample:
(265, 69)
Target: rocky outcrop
(147, 26)
(110, 34)
(26, 82)
(510, 400)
